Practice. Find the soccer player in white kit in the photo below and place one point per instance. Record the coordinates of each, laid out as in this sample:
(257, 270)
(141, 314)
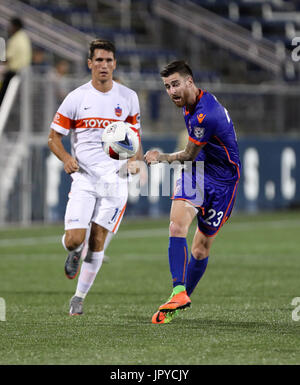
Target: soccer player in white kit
(98, 195)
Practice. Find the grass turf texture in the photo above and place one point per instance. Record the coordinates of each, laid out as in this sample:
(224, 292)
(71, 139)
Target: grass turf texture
(241, 310)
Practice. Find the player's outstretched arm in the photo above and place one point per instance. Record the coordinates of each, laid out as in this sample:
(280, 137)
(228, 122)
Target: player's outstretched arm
(188, 154)
(56, 146)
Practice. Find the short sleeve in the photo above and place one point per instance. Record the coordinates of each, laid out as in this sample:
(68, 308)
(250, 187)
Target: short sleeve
(202, 129)
(63, 120)
(134, 113)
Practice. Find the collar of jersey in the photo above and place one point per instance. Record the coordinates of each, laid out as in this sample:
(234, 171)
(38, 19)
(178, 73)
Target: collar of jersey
(100, 92)
(186, 112)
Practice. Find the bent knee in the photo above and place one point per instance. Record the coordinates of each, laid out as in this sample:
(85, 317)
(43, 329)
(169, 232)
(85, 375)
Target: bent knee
(200, 252)
(178, 229)
(74, 238)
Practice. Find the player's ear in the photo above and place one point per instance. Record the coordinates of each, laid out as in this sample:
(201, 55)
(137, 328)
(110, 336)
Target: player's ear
(115, 64)
(89, 63)
(189, 81)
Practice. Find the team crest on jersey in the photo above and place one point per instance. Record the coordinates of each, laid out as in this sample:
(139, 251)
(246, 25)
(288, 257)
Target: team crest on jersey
(199, 131)
(118, 110)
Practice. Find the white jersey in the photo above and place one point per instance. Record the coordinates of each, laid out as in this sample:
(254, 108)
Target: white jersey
(86, 112)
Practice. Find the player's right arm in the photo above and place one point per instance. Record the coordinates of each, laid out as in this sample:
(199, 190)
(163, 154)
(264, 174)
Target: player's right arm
(62, 123)
(56, 146)
(188, 154)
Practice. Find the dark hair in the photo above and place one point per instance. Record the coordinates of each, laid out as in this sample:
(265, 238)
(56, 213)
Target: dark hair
(16, 22)
(179, 66)
(101, 44)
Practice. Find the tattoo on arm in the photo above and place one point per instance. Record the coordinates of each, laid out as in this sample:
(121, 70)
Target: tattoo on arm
(188, 154)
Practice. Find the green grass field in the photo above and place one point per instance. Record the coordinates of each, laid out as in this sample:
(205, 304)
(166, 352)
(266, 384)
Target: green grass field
(241, 310)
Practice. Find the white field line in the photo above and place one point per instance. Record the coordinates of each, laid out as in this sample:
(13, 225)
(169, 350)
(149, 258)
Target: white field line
(149, 233)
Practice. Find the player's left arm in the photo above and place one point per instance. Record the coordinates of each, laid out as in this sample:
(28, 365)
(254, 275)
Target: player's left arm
(134, 164)
(188, 154)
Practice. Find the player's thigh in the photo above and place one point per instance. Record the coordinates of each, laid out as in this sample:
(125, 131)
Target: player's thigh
(79, 210)
(201, 245)
(181, 216)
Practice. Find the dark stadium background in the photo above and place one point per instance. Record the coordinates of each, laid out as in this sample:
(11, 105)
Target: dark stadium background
(240, 50)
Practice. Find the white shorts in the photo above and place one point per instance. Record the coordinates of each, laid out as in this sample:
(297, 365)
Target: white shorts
(103, 202)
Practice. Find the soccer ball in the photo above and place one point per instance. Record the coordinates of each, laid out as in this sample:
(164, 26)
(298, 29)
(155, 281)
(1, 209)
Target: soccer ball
(120, 140)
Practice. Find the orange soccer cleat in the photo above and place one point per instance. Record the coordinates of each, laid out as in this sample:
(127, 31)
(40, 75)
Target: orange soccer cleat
(178, 301)
(161, 317)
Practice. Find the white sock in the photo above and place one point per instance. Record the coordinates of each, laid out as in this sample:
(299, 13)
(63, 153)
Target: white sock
(86, 243)
(108, 238)
(88, 272)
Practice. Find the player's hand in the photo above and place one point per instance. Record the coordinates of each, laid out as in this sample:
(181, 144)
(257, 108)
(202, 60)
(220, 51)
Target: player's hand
(133, 166)
(151, 156)
(71, 165)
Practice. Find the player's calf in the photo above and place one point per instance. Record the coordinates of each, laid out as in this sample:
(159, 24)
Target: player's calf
(97, 237)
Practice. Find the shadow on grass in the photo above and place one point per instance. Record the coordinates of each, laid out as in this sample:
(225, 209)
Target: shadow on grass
(214, 325)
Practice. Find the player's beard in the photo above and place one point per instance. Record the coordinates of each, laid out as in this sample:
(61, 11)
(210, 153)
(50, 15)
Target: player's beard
(180, 102)
(182, 98)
